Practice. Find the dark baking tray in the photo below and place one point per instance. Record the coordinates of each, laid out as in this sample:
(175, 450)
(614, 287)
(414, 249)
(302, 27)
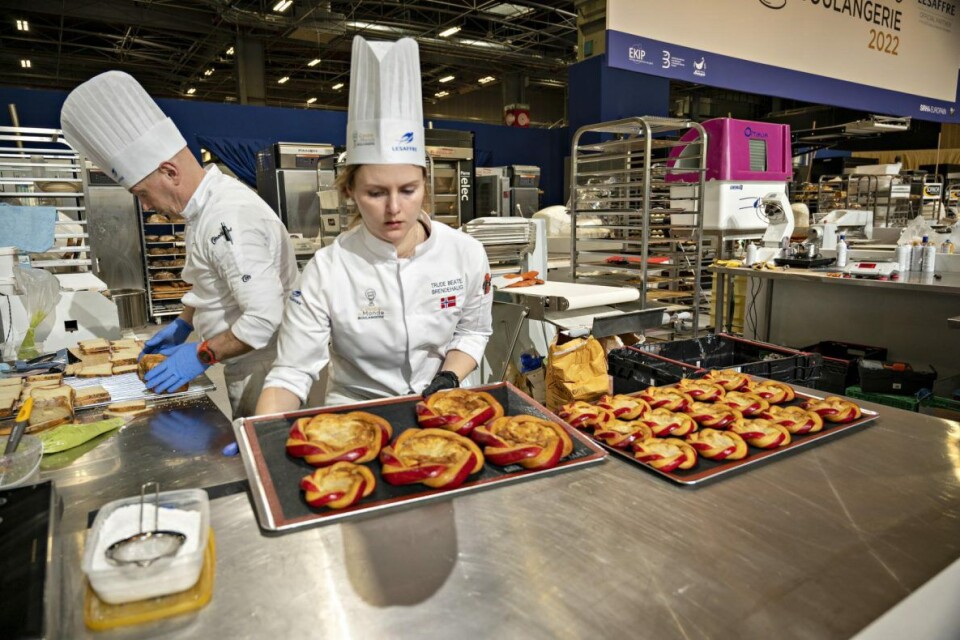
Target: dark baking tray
(707, 471)
(275, 477)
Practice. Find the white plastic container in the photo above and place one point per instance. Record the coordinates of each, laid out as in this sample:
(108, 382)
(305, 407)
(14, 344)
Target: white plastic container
(128, 583)
(903, 257)
(842, 252)
(751, 257)
(929, 258)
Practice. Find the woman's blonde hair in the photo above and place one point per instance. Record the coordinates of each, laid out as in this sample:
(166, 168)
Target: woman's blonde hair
(345, 183)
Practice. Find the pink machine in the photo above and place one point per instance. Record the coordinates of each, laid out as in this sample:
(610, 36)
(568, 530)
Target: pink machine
(746, 162)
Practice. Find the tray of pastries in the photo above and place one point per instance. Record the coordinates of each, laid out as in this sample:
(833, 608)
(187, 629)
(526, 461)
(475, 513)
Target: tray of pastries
(325, 465)
(700, 430)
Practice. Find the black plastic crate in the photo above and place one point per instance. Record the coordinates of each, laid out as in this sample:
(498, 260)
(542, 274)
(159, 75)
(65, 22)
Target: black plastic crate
(633, 370)
(840, 363)
(883, 377)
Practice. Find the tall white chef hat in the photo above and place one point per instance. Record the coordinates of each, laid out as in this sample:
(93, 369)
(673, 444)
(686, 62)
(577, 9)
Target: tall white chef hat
(385, 116)
(112, 120)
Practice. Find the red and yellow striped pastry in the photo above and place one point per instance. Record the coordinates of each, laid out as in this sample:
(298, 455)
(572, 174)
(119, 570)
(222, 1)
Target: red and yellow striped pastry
(796, 420)
(762, 433)
(664, 423)
(774, 392)
(834, 409)
(458, 410)
(665, 398)
(715, 416)
(702, 390)
(620, 434)
(327, 438)
(583, 415)
(718, 445)
(749, 404)
(665, 454)
(729, 379)
(438, 458)
(341, 485)
(531, 442)
(624, 407)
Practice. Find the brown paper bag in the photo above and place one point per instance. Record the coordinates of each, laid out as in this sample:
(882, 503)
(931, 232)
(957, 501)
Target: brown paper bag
(576, 370)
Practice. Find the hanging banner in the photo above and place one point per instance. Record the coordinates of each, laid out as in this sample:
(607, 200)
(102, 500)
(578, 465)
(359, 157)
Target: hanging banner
(894, 57)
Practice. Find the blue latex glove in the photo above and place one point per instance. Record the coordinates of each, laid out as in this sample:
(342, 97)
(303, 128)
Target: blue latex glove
(170, 336)
(180, 367)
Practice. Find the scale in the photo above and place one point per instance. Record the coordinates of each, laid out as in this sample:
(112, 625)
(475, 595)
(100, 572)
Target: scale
(873, 270)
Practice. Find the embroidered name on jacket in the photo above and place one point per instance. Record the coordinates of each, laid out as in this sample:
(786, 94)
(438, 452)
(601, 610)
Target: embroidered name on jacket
(453, 285)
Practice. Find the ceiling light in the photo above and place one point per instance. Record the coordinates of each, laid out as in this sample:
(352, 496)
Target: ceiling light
(313, 62)
(442, 94)
(486, 79)
(446, 79)
(191, 91)
(446, 33)
(26, 64)
(507, 10)
(230, 51)
(311, 100)
(338, 86)
(283, 80)
(282, 5)
(208, 72)
(23, 25)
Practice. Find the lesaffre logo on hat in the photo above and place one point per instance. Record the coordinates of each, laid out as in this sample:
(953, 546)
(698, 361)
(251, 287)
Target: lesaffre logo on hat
(405, 143)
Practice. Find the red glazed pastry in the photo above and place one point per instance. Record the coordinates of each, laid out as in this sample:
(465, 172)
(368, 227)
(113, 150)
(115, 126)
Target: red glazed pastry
(583, 415)
(620, 434)
(667, 454)
(718, 445)
(341, 485)
(624, 407)
(326, 438)
(715, 416)
(702, 390)
(666, 398)
(665, 423)
(761, 433)
(749, 404)
(458, 410)
(796, 420)
(531, 442)
(438, 458)
(729, 380)
(774, 392)
(834, 409)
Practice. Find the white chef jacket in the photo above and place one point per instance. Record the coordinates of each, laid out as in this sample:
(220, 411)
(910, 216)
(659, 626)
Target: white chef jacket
(385, 324)
(240, 262)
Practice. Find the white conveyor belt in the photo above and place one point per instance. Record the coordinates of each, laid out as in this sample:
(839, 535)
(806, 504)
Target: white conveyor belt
(579, 296)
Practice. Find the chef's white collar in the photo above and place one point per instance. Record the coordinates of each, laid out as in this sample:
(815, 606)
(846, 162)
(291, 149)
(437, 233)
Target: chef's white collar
(199, 197)
(383, 249)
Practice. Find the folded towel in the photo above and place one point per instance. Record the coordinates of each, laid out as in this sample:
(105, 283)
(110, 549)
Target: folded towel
(30, 229)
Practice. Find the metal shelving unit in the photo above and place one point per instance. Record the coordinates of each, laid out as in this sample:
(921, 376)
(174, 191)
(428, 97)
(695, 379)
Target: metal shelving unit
(38, 168)
(164, 293)
(650, 231)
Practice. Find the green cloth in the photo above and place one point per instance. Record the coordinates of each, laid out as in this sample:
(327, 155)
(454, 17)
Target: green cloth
(68, 436)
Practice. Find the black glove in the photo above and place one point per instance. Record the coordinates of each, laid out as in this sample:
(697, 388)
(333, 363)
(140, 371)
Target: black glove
(443, 380)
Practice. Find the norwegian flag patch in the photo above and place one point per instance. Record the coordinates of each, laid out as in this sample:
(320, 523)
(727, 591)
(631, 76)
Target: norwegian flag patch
(448, 301)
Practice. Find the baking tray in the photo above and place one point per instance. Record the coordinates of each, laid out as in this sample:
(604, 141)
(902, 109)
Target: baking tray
(275, 477)
(707, 471)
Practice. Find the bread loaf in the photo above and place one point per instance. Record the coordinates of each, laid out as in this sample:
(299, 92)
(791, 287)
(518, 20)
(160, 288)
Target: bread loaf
(51, 406)
(148, 362)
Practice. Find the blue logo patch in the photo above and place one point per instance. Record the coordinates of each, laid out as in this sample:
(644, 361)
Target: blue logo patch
(295, 296)
(406, 138)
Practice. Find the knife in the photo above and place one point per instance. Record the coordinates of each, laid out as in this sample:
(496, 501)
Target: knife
(22, 417)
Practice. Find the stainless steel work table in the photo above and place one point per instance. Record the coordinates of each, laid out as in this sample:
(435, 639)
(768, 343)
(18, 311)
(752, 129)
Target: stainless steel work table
(816, 545)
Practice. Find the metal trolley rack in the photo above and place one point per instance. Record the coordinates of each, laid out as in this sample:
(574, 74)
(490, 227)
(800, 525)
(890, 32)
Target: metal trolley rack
(632, 220)
(38, 168)
(164, 248)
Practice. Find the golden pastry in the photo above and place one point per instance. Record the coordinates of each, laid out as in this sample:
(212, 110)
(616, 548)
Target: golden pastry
(749, 404)
(796, 420)
(718, 445)
(715, 416)
(327, 438)
(834, 409)
(531, 442)
(624, 407)
(666, 398)
(761, 433)
(774, 392)
(341, 485)
(620, 434)
(438, 458)
(667, 454)
(728, 379)
(664, 423)
(458, 410)
(584, 415)
(702, 390)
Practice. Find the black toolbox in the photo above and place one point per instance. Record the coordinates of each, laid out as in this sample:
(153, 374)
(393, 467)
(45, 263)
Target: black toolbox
(899, 378)
(661, 363)
(840, 363)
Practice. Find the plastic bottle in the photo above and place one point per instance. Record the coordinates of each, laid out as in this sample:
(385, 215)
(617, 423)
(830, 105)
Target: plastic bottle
(903, 257)
(929, 253)
(947, 246)
(842, 251)
(916, 256)
(751, 256)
